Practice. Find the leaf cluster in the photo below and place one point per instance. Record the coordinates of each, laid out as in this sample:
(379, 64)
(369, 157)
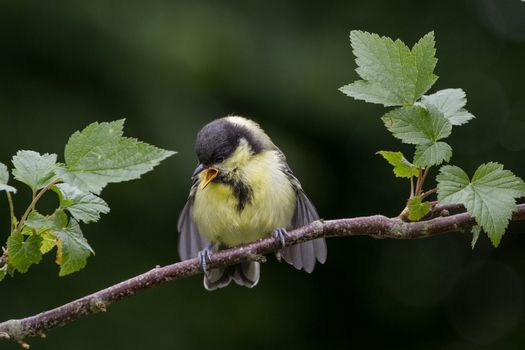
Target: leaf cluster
(394, 75)
(94, 157)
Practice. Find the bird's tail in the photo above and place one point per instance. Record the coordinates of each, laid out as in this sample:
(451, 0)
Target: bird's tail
(244, 274)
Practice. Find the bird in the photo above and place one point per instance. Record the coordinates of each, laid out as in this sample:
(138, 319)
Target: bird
(243, 190)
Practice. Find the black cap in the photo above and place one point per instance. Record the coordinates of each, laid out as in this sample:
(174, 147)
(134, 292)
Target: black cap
(217, 140)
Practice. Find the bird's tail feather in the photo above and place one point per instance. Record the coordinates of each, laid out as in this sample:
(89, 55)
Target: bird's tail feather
(245, 274)
(303, 256)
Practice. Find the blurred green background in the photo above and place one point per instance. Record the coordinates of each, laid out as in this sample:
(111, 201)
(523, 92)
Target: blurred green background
(169, 67)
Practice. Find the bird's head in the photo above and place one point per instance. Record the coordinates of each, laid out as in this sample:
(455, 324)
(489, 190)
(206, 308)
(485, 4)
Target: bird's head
(226, 145)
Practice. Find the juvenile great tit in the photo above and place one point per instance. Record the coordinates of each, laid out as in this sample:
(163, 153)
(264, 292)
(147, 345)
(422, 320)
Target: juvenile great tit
(243, 190)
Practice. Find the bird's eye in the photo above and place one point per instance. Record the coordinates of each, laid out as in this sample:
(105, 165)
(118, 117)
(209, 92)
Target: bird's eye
(219, 159)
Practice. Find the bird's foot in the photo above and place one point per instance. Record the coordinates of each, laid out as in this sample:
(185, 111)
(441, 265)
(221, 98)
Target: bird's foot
(205, 258)
(280, 234)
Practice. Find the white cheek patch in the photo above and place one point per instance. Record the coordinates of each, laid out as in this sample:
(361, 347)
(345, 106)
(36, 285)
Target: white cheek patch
(239, 157)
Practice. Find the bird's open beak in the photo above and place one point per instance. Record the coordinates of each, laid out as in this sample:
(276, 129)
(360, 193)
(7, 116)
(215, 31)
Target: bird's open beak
(210, 173)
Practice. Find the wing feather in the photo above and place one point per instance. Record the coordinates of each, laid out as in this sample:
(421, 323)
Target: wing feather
(190, 239)
(304, 255)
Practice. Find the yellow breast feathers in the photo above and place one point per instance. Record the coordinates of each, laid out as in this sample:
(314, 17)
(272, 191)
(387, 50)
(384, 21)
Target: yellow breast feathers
(254, 199)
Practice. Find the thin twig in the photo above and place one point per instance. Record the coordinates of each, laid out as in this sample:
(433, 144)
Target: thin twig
(447, 209)
(418, 183)
(34, 201)
(428, 193)
(11, 210)
(425, 173)
(376, 226)
(421, 180)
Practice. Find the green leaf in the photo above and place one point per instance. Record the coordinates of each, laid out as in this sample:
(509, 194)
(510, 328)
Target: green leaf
(49, 240)
(372, 93)
(393, 75)
(10, 270)
(73, 249)
(45, 227)
(430, 154)
(490, 197)
(424, 52)
(37, 221)
(83, 206)
(4, 178)
(23, 252)
(33, 169)
(3, 272)
(402, 167)
(417, 209)
(60, 219)
(99, 155)
(48, 237)
(476, 230)
(450, 102)
(417, 125)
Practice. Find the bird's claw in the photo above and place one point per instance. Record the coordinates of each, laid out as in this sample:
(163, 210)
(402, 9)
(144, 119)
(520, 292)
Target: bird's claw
(280, 235)
(204, 258)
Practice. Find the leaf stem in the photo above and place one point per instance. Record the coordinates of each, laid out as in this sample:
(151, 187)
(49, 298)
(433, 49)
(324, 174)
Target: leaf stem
(11, 210)
(428, 193)
(425, 173)
(33, 203)
(418, 182)
(421, 180)
(411, 187)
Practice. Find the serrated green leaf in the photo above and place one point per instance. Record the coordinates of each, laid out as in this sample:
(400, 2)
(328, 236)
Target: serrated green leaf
(73, 249)
(34, 169)
(47, 234)
(417, 125)
(60, 218)
(49, 240)
(83, 206)
(430, 154)
(393, 75)
(476, 230)
(4, 174)
(490, 197)
(3, 272)
(37, 221)
(7, 188)
(11, 270)
(424, 52)
(450, 102)
(417, 209)
(4, 178)
(99, 155)
(402, 167)
(45, 227)
(368, 92)
(23, 252)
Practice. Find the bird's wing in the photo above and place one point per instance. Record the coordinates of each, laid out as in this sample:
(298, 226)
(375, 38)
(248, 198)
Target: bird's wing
(190, 239)
(304, 255)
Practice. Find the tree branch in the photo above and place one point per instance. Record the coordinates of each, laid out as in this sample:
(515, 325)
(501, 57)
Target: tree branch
(376, 226)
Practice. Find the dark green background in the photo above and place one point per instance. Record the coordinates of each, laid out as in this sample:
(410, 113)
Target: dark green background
(169, 67)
